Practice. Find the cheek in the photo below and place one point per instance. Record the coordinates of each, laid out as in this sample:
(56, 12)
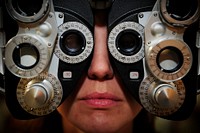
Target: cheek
(66, 108)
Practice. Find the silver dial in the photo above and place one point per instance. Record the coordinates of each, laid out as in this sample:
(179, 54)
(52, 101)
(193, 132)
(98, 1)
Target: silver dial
(26, 55)
(169, 60)
(73, 29)
(161, 98)
(40, 95)
(137, 42)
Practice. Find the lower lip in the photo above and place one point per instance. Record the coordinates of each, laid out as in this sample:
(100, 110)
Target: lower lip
(100, 103)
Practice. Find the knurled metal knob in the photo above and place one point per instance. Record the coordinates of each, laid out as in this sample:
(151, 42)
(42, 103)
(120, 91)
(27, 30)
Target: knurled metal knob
(166, 96)
(38, 94)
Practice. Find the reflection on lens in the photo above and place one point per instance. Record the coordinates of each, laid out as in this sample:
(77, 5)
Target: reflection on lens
(170, 59)
(129, 42)
(26, 56)
(27, 7)
(72, 42)
(182, 11)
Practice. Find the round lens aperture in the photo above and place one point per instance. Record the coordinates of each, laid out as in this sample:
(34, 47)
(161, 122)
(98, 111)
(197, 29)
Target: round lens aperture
(72, 42)
(27, 7)
(170, 59)
(126, 42)
(75, 42)
(182, 11)
(129, 42)
(26, 56)
(28, 11)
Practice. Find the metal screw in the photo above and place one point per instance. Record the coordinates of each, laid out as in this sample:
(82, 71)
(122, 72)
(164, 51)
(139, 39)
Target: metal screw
(60, 15)
(141, 15)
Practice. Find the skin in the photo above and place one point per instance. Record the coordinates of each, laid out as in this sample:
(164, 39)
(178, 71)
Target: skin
(99, 79)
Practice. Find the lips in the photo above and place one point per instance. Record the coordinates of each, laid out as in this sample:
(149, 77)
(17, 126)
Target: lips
(100, 100)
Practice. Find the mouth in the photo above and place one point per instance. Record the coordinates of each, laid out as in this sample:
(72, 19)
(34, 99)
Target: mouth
(100, 100)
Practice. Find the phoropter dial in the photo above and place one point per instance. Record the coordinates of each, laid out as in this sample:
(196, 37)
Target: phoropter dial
(40, 95)
(161, 98)
(26, 55)
(126, 42)
(169, 60)
(75, 42)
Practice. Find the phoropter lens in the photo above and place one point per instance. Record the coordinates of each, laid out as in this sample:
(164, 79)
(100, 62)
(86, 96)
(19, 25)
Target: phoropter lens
(170, 59)
(181, 9)
(129, 42)
(26, 56)
(27, 7)
(28, 11)
(72, 42)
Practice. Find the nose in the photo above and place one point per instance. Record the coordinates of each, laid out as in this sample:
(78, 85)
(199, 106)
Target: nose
(100, 67)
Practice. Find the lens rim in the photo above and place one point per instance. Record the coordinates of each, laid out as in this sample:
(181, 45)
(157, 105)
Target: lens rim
(174, 22)
(179, 55)
(113, 35)
(152, 57)
(45, 8)
(67, 50)
(40, 47)
(16, 55)
(133, 50)
(89, 42)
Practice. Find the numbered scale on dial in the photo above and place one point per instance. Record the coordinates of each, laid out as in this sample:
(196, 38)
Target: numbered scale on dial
(161, 98)
(131, 33)
(26, 56)
(40, 95)
(75, 42)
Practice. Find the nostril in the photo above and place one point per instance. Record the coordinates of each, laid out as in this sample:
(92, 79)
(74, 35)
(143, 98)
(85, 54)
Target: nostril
(99, 71)
(105, 77)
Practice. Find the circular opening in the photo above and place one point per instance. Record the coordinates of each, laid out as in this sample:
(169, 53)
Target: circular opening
(72, 42)
(181, 9)
(27, 7)
(26, 55)
(129, 42)
(170, 59)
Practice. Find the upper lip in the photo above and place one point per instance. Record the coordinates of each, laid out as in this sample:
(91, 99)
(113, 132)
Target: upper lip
(97, 95)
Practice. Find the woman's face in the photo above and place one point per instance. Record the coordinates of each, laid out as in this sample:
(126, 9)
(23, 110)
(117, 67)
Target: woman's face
(100, 104)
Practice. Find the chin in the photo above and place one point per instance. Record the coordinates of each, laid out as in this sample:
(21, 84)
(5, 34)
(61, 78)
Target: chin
(103, 129)
(100, 122)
